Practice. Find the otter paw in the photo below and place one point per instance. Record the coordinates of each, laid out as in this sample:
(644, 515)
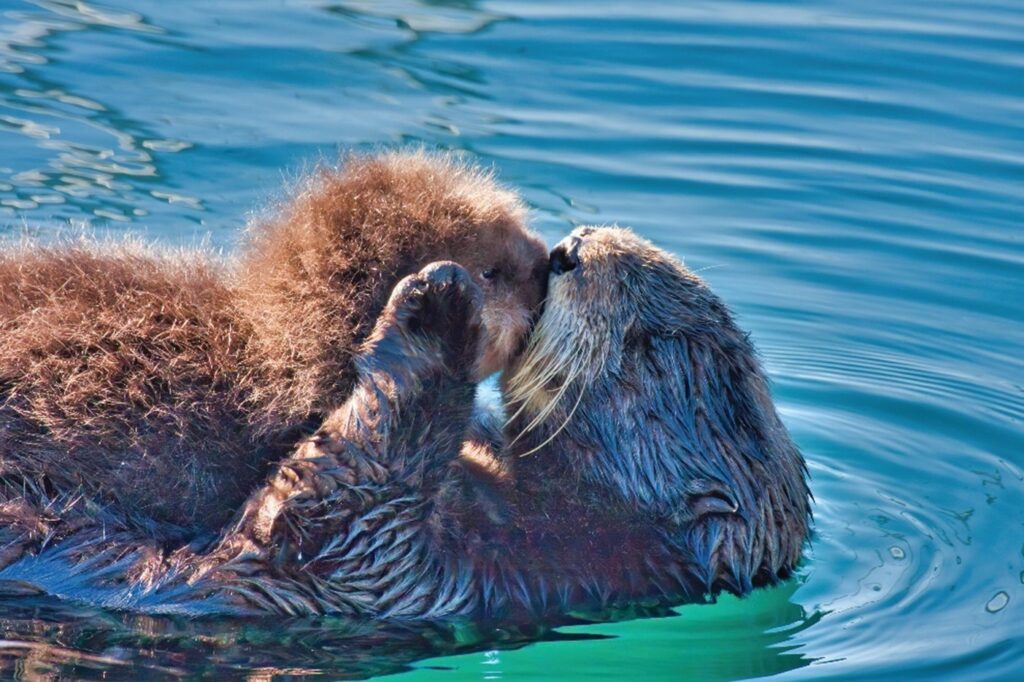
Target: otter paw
(443, 302)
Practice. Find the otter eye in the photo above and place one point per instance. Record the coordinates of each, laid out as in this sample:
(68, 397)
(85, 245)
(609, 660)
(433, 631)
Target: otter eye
(489, 273)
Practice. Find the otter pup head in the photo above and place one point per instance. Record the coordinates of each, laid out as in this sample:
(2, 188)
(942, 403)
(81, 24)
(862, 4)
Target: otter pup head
(637, 392)
(509, 264)
(315, 273)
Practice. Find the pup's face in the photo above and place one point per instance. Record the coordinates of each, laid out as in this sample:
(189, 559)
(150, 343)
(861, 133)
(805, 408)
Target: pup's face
(511, 266)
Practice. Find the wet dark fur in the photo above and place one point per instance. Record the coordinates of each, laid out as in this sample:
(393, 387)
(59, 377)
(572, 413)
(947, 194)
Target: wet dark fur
(163, 384)
(664, 456)
(673, 479)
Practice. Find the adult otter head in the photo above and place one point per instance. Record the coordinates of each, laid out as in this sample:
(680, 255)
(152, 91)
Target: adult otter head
(639, 394)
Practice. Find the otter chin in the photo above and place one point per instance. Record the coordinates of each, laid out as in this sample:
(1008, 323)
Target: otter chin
(638, 397)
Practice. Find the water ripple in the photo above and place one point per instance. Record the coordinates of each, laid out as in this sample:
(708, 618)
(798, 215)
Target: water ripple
(847, 174)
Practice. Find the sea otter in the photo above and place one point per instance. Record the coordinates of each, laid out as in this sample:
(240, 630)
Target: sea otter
(164, 383)
(651, 468)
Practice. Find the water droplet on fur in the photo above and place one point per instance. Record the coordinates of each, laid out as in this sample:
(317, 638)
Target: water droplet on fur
(998, 602)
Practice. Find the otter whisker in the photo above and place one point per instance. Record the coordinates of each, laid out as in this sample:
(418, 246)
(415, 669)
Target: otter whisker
(542, 368)
(539, 356)
(555, 351)
(538, 371)
(523, 402)
(565, 423)
(520, 390)
(708, 267)
(538, 381)
(571, 376)
(546, 411)
(544, 351)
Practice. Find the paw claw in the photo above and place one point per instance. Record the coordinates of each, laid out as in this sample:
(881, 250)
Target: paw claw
(445, 275)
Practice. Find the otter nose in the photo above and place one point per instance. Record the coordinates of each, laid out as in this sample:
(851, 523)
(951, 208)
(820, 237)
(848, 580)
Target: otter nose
(565, 257)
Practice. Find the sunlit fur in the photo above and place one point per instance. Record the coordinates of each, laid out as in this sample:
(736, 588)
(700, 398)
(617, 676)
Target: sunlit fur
(315, 275)
(164, 382)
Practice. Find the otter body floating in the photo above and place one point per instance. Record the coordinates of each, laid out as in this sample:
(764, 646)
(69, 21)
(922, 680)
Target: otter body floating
(647, 467)
(164, 384)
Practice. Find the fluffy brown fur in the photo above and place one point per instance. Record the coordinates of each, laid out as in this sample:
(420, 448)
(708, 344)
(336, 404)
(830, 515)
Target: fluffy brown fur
(165, 383)
(314, 278)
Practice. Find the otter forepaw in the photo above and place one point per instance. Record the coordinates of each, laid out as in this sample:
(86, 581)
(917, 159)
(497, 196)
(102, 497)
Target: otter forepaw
(440, 302)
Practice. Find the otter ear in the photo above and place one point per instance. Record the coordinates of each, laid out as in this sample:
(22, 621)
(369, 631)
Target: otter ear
(709, 497)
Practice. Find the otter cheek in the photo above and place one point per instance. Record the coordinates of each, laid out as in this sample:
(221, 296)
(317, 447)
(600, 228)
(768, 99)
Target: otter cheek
(505, 328)
(491, 362)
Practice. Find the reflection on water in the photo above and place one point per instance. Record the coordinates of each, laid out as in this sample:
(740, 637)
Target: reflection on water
(741, 639)
(848, 175)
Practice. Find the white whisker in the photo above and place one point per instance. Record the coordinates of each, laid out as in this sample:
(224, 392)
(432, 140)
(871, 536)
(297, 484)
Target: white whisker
(560, 428)
(555, 350)
(571, 376)
(708, 267)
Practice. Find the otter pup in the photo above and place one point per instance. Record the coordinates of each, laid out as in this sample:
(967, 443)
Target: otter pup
(164, 383)
(652, 469)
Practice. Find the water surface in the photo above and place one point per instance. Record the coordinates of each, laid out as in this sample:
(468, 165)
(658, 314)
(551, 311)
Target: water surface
(848, 174)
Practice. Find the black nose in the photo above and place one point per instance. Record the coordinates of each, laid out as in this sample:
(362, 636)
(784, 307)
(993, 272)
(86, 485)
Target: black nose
(564, 258)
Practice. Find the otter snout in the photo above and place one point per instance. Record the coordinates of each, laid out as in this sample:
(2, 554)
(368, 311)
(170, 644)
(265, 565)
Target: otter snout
(565, 256)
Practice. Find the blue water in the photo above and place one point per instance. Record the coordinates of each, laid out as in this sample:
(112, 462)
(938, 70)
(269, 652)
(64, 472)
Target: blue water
(848, 174)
